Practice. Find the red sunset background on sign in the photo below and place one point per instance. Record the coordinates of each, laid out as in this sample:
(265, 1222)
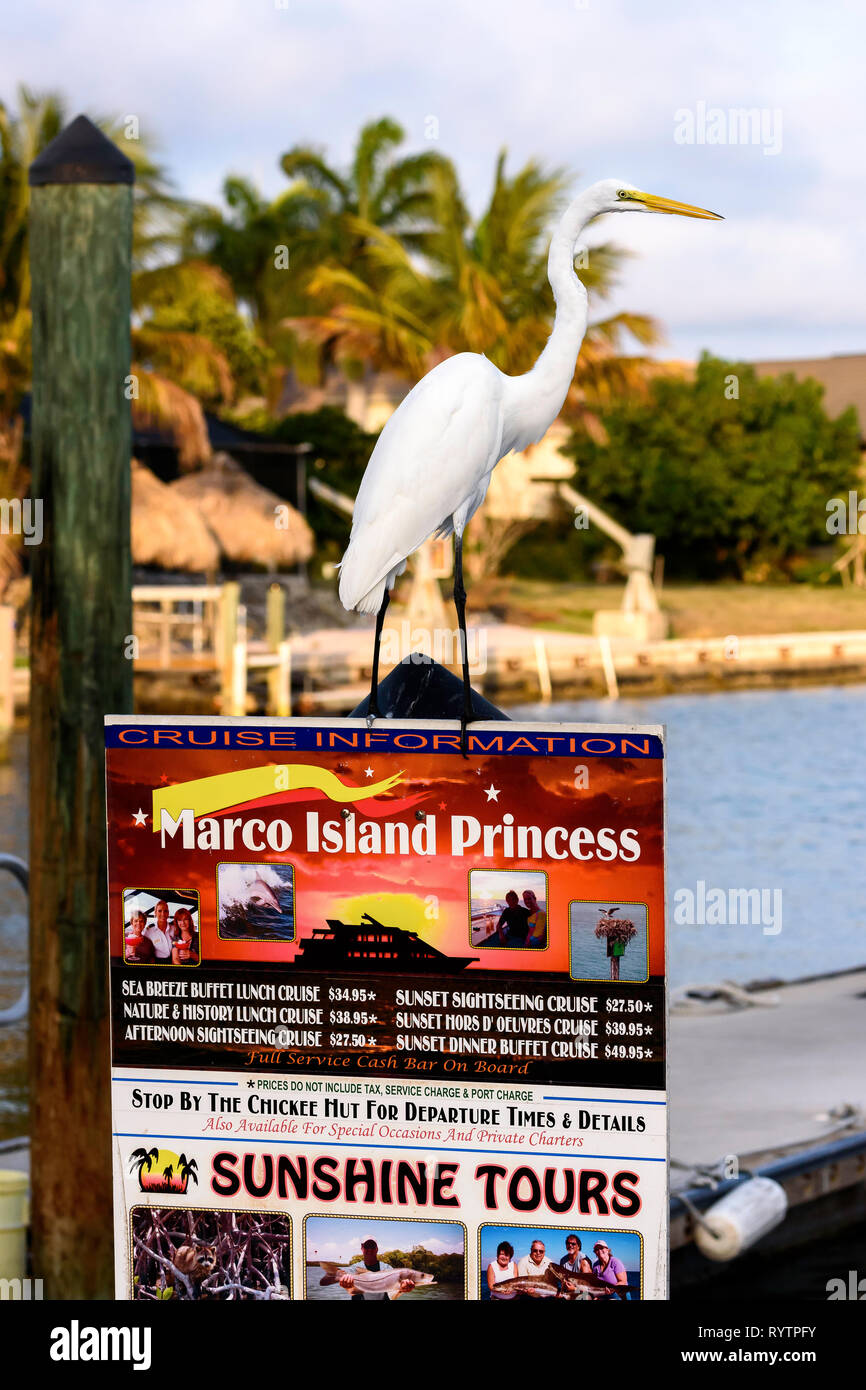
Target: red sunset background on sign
(398, 890)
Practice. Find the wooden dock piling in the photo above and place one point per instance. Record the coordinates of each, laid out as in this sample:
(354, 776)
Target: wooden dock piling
(81, 619)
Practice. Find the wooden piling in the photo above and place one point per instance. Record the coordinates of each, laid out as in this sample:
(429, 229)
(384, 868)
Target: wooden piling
(276, 631)
(81, 618)
(227, 628)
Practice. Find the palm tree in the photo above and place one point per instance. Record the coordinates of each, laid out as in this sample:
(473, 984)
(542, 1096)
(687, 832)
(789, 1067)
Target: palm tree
(372, 315)
(378, 189)
(170, 369)
(187, 1168)
(476, 286)
(323, 225)
(143, 1160)
(374, 217)
(248, 241)
(38, 120)
(181, 310)
(489, 290)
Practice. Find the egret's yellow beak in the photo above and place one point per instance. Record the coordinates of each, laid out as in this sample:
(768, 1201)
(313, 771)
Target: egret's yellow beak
(651, 200)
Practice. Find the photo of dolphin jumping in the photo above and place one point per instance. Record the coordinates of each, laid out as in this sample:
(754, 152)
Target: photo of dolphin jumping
(256, 902)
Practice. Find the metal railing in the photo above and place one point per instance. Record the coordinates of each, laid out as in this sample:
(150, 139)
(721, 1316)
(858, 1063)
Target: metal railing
(18, 1011)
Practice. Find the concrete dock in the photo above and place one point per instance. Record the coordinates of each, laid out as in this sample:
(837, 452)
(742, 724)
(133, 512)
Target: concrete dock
(751, 1081)
(509, 663)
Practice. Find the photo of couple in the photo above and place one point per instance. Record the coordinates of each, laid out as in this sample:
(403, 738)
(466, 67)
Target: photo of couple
(508, 909)
(161, 927)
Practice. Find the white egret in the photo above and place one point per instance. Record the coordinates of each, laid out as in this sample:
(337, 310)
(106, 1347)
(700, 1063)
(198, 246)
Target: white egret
(431, 466)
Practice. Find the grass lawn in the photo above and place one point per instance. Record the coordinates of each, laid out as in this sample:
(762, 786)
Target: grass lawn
(694, 610)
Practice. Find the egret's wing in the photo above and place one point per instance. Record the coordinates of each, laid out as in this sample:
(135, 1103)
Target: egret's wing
(429, 462)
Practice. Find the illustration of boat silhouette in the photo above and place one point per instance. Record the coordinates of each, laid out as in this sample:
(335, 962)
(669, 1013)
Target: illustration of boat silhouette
(368, 943)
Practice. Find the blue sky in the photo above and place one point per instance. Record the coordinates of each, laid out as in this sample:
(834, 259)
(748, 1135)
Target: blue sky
(594, 85)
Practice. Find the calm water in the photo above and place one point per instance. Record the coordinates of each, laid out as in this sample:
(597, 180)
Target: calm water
(767, 790)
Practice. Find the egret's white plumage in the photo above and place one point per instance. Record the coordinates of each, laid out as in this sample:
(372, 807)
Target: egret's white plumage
(428, 472)
(431, 466)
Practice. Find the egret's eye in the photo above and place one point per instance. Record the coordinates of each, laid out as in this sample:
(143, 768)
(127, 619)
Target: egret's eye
(622, 193)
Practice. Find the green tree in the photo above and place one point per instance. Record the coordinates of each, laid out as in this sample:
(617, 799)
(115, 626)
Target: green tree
(266, 248)
(190, 351)
(730, 472)
(339, 451)
(361, 293)
(379, 189)
(23, 134)
(279, 253)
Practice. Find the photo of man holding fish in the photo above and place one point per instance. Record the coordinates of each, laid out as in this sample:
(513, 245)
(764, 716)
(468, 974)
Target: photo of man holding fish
(391, 1260)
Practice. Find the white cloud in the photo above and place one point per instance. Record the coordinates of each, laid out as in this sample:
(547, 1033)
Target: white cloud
(230, 84)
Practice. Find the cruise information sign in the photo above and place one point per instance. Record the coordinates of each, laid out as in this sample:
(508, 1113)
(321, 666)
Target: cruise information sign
(387, 1022)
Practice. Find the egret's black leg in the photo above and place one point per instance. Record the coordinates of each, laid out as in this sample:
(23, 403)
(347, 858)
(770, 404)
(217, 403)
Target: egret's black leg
(373, 707)
(460, 605)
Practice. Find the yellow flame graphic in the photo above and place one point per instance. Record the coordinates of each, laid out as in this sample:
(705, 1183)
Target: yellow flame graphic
(208, 794)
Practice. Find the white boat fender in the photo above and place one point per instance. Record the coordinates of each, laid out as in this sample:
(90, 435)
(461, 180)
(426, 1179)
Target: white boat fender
(741, 1218)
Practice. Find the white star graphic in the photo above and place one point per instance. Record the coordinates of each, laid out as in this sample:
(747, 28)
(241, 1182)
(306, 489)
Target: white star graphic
(368, 772)
(139, 817)
(492, 793)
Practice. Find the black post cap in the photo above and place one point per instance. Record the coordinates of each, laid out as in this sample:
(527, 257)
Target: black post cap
(419, 688)
(81, 154)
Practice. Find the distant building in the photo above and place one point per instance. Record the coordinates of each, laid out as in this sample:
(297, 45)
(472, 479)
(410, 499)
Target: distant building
(369, 401)
(843, 378)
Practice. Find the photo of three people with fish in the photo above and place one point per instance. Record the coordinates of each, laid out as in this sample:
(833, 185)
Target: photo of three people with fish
(582, 1266)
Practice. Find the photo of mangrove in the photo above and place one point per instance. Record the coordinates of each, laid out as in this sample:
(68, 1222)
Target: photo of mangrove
(378, 1261)
(187, 1253)
(161, 926)
(579, 1266)
(508, 908)
(256, 902)
(608, 941)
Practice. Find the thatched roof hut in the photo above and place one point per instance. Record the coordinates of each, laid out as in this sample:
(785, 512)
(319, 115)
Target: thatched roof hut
(164, 534)
(252, 524)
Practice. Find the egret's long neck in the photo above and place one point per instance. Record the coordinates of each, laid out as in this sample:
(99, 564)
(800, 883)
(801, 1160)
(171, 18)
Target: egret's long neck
(535, 399)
